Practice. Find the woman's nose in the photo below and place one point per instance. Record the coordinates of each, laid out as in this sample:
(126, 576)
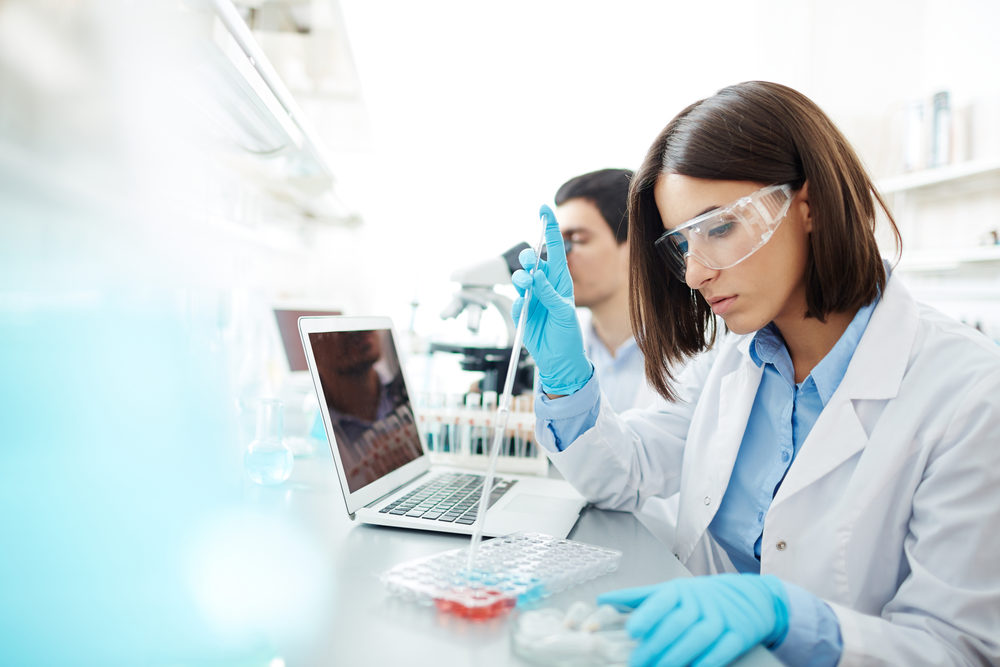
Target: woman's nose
(697, 274)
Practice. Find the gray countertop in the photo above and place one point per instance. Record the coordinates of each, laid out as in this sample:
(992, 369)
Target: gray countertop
(362, 624)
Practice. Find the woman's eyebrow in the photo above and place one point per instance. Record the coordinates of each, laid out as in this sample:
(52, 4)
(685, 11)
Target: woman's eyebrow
(698, 215)
(707, 210)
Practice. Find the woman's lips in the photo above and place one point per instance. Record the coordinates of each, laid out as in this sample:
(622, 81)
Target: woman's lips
(720, 306)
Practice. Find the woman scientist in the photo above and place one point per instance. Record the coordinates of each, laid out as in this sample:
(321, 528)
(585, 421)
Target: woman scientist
(838, 461)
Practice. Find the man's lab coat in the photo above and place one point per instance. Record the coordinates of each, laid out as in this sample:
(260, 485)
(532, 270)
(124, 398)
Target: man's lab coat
(891, 509)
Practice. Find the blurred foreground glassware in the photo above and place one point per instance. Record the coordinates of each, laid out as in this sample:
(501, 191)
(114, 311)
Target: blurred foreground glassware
(268, 459)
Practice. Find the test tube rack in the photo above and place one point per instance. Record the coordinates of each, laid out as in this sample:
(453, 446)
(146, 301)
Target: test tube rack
(458, 431)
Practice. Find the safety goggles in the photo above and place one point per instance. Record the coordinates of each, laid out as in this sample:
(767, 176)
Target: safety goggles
(726, 236)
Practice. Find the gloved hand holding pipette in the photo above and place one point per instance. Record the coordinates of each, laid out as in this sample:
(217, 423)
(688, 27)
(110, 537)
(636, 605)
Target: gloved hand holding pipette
(552, 332)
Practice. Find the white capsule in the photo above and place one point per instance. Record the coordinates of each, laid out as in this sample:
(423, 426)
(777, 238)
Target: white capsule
(576, 613)
(604, 617)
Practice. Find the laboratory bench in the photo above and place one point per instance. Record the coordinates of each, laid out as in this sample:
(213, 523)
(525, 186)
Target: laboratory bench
(363, 624)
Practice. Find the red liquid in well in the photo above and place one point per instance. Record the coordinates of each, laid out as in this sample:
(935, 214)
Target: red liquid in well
(480, 606)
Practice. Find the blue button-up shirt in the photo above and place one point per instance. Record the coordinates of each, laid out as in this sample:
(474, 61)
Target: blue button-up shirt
(781, 418)
(623, 374)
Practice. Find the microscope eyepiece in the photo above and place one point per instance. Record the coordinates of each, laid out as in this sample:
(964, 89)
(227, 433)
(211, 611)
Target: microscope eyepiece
(510, 255)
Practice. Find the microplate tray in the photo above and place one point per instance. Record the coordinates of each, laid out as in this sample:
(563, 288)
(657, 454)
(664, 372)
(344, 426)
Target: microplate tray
(517, 569)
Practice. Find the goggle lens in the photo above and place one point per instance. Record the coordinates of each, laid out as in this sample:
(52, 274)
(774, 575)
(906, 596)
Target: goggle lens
(725, 237)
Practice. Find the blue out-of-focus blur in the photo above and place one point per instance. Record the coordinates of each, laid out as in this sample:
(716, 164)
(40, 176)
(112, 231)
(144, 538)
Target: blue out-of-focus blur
(126, 536)
(114, 452)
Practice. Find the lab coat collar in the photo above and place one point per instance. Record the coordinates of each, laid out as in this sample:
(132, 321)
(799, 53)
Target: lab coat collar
(874, 374)
(879, 362)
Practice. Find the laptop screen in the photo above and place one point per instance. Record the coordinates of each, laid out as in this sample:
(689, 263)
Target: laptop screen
(366, 396)
(288, 328)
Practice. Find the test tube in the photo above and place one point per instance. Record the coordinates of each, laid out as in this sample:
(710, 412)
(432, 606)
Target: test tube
(452, 418)
(522, 404)
(421, 402)
(433, 424)
(487, 417)
(472, 443)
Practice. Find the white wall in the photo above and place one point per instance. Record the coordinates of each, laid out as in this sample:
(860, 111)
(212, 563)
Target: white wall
(475, 115)
(479, 112)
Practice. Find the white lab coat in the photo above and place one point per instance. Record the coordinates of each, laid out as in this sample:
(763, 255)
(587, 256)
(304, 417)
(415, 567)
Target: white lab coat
(624, 387)
(891, 509)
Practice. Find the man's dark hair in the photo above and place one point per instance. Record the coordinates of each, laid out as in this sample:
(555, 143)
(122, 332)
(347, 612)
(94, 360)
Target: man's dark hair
(607, 189)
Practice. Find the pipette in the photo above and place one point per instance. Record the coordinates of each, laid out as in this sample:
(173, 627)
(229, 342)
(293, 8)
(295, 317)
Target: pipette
(503, 411)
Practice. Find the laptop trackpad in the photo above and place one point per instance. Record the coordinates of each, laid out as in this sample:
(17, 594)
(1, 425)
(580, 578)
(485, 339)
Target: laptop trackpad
(533, 502)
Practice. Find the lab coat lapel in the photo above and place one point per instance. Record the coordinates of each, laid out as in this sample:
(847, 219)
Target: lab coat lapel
(724, 446)
(873, 376)
(717, 445)
(837, 435)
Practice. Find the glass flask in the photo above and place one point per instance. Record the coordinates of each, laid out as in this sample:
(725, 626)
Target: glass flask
(268, 459)
(301, 417)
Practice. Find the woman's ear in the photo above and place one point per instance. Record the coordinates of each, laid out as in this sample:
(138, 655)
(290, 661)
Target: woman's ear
(805, 210)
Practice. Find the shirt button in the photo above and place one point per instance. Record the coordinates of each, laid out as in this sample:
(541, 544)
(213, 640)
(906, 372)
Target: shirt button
(784, 457)
(760, 516)
(708, 501)
(780, 546)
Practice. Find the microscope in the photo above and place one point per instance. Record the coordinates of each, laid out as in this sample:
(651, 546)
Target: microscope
(475, 295)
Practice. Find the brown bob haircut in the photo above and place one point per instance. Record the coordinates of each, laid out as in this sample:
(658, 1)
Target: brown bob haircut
(764, 133)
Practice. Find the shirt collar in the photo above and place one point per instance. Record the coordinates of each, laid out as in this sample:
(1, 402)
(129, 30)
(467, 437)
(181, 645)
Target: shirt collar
(596, 347)
(766, 344)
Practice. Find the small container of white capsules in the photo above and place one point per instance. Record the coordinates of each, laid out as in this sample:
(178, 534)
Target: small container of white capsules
(584, 635)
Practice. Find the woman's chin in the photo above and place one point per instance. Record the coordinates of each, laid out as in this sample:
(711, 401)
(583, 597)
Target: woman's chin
(742, 325)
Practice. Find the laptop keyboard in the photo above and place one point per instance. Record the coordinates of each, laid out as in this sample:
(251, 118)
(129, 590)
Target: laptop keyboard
(451, 497)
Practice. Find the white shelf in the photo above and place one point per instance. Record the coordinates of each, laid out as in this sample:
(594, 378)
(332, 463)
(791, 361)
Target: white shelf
(267, 94)
(949, 174)
(276, 147)
(947, 259)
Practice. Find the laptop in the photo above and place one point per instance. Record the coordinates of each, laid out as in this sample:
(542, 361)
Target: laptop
(385, 474)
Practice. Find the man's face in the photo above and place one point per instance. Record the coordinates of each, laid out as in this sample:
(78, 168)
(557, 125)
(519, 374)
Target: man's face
(351, 352)
(597, 264)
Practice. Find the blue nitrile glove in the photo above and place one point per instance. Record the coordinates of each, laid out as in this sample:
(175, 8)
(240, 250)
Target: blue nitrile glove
(710, 620)
(552, 333)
